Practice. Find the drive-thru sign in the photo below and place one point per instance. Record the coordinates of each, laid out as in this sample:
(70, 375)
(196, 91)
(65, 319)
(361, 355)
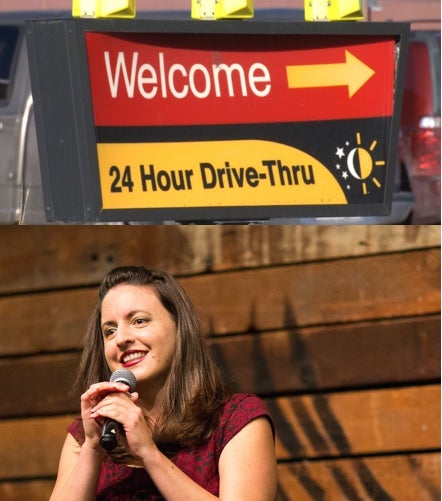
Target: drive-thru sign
(216, 121)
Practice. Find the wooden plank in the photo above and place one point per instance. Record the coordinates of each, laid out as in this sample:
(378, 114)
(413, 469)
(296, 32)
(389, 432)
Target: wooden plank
(255, 246)
(263, 363)
(31, 447)
(66, 256)
(364, 422)
(409, 477)
(45, 323)
(332, 357)
(348, 290)
(34, 490)
(42, 257)
(39, 385)
(315, 426)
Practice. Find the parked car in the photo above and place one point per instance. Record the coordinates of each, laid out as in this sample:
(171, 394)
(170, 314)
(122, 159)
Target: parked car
(416, 195)
(21, 197)
(419, 140)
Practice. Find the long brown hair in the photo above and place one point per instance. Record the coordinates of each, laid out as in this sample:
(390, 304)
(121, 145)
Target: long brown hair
(194, 391)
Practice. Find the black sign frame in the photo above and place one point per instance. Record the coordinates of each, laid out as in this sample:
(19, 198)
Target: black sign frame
(66, 130)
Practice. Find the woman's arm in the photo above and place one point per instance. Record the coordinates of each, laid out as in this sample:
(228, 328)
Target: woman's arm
(247, 465)
(247, 469)
(78, 472)
(79, 466)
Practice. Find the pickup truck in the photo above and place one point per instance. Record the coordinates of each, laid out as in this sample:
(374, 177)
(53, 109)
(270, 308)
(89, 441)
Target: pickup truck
(21, 195)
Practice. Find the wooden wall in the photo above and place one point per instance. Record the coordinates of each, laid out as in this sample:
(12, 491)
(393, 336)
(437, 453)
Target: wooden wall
(337, 328)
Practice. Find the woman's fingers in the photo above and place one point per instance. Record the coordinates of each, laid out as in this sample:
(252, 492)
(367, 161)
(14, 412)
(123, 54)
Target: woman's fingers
(114, 406)
(124, 410)
(100, 390)
(93, 422)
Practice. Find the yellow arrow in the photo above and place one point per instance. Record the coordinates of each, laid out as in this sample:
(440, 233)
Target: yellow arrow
(353, 73)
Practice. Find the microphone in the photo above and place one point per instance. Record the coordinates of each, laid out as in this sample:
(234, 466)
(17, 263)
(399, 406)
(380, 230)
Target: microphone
(111, 429)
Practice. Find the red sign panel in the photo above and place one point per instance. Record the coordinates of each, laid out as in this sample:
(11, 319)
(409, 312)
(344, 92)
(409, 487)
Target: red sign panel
(166, 80)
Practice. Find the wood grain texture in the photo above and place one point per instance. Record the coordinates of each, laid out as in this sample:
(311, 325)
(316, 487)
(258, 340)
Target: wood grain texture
(39, 385)
(357, 422)
(410, 477)
(307, 359)
(258, 246)
(341, 291)
(31, 447)
(68, 256)
(32, 490)
(45, 322)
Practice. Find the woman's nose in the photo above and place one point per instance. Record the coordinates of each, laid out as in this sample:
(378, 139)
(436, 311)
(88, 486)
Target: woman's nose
(124, 336)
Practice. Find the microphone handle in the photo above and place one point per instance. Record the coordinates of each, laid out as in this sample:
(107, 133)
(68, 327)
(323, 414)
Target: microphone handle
(109, 435)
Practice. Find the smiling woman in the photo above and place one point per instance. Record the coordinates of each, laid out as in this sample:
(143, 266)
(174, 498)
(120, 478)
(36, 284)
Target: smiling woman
(139, 333)
(184, 435)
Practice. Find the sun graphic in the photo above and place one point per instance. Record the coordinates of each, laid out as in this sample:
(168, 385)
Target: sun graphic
(360, 163)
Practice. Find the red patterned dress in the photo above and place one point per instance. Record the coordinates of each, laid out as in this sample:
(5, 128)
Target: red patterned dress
(119, 482)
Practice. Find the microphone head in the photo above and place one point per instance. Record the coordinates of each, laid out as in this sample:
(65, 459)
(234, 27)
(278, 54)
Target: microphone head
(124, 376)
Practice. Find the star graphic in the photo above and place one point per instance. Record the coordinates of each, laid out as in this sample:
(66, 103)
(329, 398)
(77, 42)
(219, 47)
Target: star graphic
(340, 152)
(338, 166)
(345, 174)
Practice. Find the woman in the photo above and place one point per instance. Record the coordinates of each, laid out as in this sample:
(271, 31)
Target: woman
(185, 436)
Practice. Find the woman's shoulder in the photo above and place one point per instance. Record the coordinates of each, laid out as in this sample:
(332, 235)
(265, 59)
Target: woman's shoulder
(239, 410)
(246, 403)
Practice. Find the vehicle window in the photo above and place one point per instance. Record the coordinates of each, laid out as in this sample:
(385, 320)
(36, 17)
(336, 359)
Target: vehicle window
(8, 44)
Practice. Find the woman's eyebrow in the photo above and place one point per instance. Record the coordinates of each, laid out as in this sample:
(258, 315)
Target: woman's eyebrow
(128, 316)
(107, 323)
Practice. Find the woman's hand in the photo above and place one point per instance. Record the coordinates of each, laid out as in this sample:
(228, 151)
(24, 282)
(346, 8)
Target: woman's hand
(121, 406)
(93, 424)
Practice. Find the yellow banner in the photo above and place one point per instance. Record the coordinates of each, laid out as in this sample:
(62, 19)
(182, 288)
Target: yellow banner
(239, 173)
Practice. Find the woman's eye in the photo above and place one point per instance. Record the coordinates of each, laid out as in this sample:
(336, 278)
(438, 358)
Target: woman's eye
(140, 321)
(108, 332)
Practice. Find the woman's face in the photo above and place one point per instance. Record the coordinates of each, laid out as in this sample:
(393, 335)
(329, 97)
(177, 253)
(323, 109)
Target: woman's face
(139, 333)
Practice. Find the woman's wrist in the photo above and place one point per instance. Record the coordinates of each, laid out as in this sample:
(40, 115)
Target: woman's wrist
(150, 455)
(93, 448)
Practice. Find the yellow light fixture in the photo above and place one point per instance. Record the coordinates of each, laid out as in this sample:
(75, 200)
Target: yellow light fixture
(222, 9)
(103, 8)
(333, 10)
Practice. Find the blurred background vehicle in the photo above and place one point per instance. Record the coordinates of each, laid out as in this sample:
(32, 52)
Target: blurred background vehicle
(419, 140)
(21, 197)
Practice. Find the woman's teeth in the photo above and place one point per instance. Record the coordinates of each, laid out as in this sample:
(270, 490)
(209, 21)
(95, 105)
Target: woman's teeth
(133, 356)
